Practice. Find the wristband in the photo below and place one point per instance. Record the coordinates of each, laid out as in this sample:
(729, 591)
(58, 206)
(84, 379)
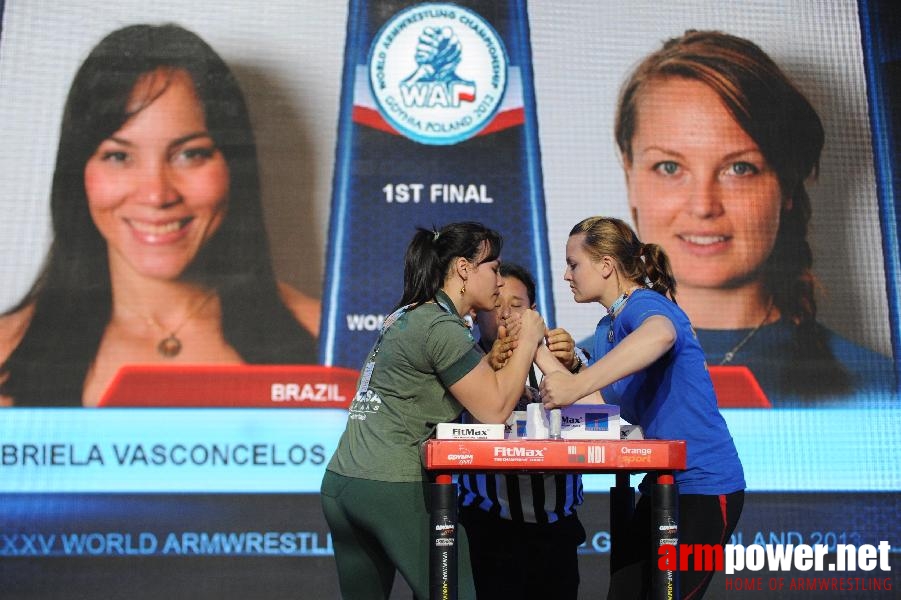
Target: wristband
(581, 359)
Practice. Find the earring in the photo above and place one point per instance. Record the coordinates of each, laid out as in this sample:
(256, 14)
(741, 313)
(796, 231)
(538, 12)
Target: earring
(463, 289)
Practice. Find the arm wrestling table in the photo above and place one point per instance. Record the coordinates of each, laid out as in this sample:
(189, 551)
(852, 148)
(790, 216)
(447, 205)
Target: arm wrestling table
(619, 457)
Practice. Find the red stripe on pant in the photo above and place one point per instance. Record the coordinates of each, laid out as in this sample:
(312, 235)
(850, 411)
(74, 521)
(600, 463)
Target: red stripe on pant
(724, 514)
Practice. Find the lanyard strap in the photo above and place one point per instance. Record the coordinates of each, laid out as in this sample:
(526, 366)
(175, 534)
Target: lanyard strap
(397, 314)
(390, 320)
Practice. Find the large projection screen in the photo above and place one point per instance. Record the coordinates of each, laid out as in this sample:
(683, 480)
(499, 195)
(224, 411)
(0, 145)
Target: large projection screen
(223, 502)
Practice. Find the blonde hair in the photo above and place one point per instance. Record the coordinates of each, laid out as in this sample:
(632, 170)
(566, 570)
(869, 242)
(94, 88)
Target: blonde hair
(646, 265)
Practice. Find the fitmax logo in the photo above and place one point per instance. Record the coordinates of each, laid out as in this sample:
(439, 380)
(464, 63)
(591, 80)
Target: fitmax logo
(505, 452)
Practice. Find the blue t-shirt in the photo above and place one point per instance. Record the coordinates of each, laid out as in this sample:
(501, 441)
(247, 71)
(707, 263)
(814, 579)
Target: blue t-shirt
(673, 399)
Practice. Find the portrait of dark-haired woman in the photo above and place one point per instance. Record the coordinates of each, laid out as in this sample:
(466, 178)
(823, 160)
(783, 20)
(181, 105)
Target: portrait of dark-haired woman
(159, 251)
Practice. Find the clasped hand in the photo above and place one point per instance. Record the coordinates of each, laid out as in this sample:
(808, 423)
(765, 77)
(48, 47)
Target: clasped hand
(558, 389)
(558, 340)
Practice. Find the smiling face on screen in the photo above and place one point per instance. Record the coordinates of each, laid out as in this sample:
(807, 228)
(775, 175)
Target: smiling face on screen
(700, 187)
(158, 187)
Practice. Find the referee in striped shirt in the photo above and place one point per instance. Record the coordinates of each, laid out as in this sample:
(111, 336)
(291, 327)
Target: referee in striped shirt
(523, 529)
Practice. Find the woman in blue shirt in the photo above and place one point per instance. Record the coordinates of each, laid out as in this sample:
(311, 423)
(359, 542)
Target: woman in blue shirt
(647, 360)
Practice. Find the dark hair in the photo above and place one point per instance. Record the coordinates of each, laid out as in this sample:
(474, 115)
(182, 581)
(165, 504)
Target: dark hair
(646, 265)
(775, 114)
(72, 295)
(431, 251)
(519, 272)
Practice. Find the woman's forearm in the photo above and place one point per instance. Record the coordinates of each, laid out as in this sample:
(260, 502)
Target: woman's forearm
(635, 352)
(547, 362)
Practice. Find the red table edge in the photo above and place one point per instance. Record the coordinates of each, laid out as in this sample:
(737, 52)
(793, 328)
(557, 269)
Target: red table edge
(584, 456)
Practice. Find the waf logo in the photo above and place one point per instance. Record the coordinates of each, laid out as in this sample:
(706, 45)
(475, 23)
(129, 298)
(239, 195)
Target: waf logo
(438, 73)
(435, 83)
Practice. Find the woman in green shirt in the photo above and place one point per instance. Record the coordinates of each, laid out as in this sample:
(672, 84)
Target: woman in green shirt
(424, 369)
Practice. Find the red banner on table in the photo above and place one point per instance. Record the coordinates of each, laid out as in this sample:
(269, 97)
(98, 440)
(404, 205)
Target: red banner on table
(554, 455)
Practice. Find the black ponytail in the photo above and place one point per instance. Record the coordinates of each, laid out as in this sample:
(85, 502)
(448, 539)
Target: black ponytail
(430, 253)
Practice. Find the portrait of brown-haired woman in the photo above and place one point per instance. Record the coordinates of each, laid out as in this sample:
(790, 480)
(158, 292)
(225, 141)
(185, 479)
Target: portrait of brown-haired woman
(717, 146)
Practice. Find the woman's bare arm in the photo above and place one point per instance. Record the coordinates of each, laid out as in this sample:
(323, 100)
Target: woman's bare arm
(635, 352)
(490, 395)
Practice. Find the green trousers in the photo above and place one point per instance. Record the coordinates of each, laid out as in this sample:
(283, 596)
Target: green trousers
(379, 528)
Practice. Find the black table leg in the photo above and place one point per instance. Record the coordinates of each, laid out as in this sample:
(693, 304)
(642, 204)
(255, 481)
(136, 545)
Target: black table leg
(665, 523)
(443, 540)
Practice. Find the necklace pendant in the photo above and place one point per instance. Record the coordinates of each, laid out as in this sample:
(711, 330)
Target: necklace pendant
(169, 347)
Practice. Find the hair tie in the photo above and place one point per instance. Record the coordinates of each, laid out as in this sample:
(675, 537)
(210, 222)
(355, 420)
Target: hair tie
(647, 280)
(435, 235)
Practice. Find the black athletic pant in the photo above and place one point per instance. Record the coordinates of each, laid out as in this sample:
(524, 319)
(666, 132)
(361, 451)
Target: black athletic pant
(702, 520)
(523, 560)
